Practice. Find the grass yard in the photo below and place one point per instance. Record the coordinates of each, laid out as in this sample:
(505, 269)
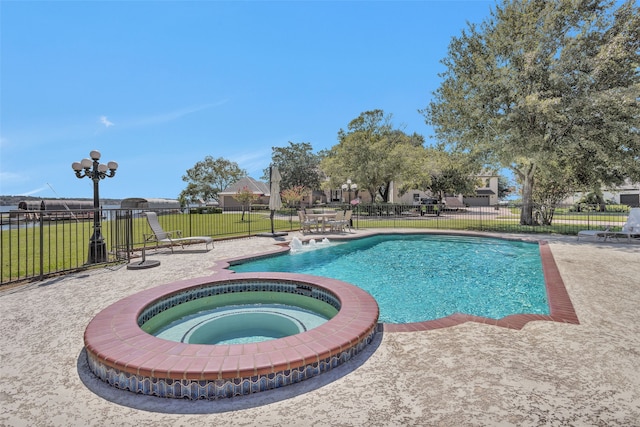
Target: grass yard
(65, 244)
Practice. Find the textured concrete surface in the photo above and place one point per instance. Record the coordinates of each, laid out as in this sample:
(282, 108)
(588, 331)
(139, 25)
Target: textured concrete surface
(468, 375)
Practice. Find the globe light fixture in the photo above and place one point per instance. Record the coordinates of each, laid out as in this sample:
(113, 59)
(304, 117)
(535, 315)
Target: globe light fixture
(348, 186)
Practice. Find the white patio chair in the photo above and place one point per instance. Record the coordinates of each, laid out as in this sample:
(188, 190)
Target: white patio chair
(306, 223)
(335, 224)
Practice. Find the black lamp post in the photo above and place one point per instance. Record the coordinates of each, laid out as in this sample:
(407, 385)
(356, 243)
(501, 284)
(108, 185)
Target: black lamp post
(348, 186)
(95, 171)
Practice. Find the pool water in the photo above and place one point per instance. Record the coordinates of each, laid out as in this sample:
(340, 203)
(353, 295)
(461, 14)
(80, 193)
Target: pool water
(239, 317)
(415, 278)
(241, 324)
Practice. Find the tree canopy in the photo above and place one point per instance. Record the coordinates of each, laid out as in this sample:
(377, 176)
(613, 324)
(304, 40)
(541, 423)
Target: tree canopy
(209, 177)
(371, 153)
(439, 172)
(543, 84)
(299, 166)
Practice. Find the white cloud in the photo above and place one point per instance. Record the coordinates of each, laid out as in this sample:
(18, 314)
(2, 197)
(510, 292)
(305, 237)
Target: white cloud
(105, 121)
(254, 162)
(173, 115)
(11, 181)
(32, 192)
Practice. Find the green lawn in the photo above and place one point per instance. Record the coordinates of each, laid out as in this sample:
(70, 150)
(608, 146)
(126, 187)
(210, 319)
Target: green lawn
(65, 244)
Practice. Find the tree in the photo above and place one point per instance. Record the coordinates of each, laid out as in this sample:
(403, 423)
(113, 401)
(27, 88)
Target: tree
(245, 197)
(292, 196)
(209, 177)
(440, 173)
(553, 186)
(371, 153)
(298, 166)
(542, 82)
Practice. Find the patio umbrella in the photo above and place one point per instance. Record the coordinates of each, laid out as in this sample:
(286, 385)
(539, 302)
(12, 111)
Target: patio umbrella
(275, 202)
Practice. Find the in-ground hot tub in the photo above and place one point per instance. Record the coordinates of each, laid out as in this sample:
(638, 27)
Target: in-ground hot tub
(242, 317)
(121, 353)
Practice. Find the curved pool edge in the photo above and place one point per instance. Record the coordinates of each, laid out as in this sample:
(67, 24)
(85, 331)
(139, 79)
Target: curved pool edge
(560, 305)
(120, 353)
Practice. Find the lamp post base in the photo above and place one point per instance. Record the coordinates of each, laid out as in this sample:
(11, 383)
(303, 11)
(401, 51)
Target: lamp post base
(97, 252)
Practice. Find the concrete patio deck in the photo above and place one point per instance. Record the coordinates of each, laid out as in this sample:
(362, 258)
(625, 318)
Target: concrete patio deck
(548, 373)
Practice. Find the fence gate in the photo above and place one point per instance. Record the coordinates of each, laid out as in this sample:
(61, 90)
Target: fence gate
(123, 235)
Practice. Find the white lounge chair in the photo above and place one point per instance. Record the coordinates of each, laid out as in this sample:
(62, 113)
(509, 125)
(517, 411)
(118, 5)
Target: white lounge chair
(631, 228)
(171, 237)
(597, 234)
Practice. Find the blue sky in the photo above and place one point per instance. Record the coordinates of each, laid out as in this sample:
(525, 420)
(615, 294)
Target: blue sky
(158, 85)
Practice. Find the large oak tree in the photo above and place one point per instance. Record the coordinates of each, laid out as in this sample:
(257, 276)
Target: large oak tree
(371, 153)
(546, 81)
(298, 165)
(209, 177)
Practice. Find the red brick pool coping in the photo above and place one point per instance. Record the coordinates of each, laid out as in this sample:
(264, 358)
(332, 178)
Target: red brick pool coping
(113, 339)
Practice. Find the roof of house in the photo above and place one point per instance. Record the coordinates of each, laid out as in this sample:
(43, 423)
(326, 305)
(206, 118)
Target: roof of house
(255, 186)
(484, 192)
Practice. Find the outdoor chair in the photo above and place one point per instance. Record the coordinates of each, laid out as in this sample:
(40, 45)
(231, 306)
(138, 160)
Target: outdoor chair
(335, 224)
(347, 220)
(631, 228)
(170, 237)
(306, 223)
(597, 234)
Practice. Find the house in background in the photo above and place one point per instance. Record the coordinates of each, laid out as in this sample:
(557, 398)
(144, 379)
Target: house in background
(626, 194)
(261, 189)
(486, 194)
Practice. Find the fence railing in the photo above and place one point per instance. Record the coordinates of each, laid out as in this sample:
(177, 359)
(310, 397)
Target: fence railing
(35, 246)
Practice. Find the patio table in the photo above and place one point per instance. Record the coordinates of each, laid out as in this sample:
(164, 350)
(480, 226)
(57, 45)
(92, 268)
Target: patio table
(322, 218)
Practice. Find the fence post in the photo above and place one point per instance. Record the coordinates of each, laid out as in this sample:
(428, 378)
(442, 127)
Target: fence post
(42, 240)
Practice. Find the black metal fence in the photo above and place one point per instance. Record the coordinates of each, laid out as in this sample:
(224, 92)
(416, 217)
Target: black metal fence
(34, 246)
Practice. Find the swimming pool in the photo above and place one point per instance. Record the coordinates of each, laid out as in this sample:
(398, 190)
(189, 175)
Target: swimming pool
(415, 278)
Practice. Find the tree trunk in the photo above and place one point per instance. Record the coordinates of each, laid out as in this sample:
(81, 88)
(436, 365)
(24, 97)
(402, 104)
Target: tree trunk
(384, 192)
(526, 214)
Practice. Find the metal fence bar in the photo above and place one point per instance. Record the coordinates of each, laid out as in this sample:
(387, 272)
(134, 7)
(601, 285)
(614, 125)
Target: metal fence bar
(37, 244)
